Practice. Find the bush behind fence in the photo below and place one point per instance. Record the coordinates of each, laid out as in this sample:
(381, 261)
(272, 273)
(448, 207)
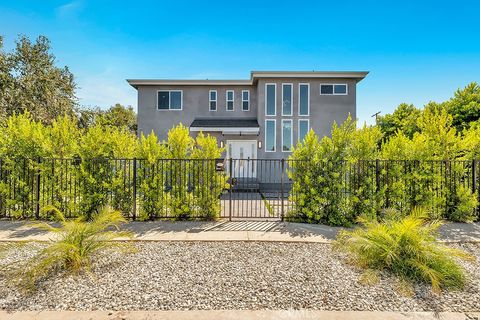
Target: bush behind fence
(335, 193)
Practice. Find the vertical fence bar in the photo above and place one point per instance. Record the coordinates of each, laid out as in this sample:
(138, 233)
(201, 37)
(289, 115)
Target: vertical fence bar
(282, 188)
(134, 209)
(474, 183)
(230, 206)
(37, 206)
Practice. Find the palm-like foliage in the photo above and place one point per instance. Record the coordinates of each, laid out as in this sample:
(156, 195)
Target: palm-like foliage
(408, 248)
(74, 246)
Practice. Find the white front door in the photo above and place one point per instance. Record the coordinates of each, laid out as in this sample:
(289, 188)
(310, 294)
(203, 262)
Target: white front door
(242, 152)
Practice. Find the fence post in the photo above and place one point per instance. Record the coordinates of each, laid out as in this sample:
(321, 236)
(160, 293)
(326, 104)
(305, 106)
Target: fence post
(134, 211)
(474, 182)
(37, 208)
(230, 206)
(281, 187)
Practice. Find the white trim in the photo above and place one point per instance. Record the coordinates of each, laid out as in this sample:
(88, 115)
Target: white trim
(334, 94)
(275, 100)
(229, 130)
(210, 100)
(308, 100)
(308, 127)
(274, 135)
(291, 99)
(248, 100)
(227, 101)
(291, 134)
(169, 99)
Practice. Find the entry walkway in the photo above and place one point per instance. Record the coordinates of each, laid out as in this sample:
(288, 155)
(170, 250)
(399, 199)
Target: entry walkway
(230, 231)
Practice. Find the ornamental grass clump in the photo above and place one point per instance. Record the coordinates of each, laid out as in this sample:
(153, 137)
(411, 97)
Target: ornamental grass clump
(408, 248)
(74, 248)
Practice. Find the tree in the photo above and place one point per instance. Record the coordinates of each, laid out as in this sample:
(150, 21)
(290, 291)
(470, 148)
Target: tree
(119, 116)
(464, 106)
(30, 81)
(404, 118)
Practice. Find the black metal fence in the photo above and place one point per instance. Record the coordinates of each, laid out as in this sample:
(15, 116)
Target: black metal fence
(227, 188)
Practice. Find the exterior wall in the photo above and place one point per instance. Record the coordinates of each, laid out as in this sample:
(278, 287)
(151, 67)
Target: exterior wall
(324, 109)
(195, 105)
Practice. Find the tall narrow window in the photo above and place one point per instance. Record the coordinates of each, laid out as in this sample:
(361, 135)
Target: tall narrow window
(303, 127)
(287, 99)
(169, 100)
(270, 136)
(270, 99)
(213, 100)
(303, 99)
(245, 100)
(230, 100)
(287, 135)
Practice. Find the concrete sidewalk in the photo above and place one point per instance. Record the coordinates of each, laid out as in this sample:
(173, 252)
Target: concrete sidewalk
(230, 231)
(235, 314)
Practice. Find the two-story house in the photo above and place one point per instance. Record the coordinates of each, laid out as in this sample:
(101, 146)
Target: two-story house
(262, 117)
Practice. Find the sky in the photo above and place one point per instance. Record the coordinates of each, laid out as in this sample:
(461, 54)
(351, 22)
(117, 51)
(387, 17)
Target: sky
(415, 51)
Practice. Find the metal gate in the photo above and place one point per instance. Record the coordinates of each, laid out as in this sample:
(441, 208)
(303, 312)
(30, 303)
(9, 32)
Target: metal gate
(264, 196)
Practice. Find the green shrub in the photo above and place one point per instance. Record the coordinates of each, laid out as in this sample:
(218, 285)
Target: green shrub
(406, 247)
(462, 206)
(74, 248)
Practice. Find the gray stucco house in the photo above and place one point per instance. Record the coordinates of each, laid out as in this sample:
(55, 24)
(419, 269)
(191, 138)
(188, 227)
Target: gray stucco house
(262, 117)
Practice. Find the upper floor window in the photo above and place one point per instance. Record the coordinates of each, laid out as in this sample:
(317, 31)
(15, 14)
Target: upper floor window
(270, 135)
(270, 99)
(213, 100)
(287, 135)
(230, 100)
(287, 95)
(245, 100)
(303, 127)
(170, 100)
(333, 89)
(303, 99)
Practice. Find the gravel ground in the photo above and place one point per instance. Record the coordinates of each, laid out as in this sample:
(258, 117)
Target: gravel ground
(232, 275)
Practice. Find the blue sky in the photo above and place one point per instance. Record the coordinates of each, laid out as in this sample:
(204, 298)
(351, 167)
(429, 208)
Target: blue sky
(416, 51)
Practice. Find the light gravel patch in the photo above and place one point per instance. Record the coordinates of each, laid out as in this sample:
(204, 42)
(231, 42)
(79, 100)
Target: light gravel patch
(231, 275)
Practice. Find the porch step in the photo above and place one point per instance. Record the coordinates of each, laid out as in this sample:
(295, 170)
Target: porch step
(246, 184)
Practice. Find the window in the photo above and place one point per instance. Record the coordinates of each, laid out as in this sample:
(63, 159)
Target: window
(270, 136)
(333, 89)
(270, 99)
(287, 135)
(245, 100)
(213, 100)
(230, 100)
(303, 127)
(303, 99)
(287, 99)
(169, 100)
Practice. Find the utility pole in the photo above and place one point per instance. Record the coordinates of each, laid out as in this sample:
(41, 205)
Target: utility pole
(376, 116)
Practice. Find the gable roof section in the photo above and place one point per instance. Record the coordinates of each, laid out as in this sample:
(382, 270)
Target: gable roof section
(254, 76)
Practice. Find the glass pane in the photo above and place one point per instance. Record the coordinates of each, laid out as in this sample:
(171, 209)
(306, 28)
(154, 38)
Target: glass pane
(302, 129)
(213, 105)
(229, 95)
(230, 105)
(340, 89)
(213, 95)
(303, 96)
(245, 95)
(287, 100)
(326, 89)
(287, 135)
(270, 135)
(245, 105)
(163, 100)
(175, 100)
(270, 101)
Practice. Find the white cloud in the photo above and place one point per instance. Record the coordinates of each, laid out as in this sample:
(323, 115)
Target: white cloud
(69, 8)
